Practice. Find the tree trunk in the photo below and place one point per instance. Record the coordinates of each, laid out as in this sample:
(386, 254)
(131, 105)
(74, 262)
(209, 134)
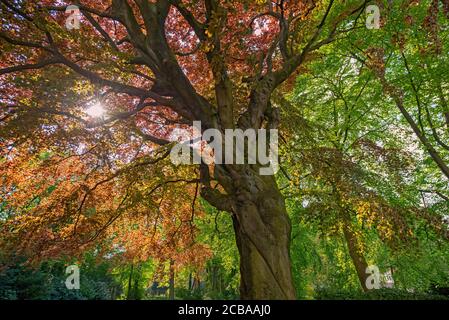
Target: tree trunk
(190, 281)
(262, 228)
(129, 294)
(137, 275)
(171, 287)
(355, 251)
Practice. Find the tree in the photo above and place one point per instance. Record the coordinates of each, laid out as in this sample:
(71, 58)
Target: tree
(348, 167)
(161, 65)
(407, 59)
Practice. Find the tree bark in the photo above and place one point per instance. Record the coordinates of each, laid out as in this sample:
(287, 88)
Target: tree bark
(129, 294)
(171, 287)
(358, 259)
(262, 228)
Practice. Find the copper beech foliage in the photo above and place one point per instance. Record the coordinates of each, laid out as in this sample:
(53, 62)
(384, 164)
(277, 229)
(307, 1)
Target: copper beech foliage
(70, 181)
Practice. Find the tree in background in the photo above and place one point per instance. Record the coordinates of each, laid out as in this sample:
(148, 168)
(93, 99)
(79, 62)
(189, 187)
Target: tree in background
(346, 140)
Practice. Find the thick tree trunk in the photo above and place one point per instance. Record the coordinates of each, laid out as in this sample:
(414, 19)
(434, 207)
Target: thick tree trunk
(358, 259)
(262, 229)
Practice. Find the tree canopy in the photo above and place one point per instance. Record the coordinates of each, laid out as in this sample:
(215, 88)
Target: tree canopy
(90, 115)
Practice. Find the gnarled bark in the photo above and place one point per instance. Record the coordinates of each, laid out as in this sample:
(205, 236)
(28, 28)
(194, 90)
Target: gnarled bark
(262, 228)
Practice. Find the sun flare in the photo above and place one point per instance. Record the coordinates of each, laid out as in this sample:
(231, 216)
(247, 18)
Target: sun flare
(96, 110)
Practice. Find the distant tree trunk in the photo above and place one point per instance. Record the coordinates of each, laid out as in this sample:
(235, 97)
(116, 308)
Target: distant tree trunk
(216, 278)
(116, 288)
(129, 294)
(136, 292)
(171, 289)
(190, 281)
(354, 244)
(355, 251)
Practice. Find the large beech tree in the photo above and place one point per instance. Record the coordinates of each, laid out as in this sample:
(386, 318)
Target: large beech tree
(156, 66)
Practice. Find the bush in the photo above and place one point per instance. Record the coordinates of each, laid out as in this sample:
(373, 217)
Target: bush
(20, 282)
